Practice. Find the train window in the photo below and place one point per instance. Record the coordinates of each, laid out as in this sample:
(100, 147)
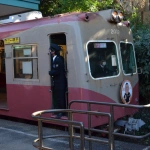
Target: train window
(25, 61)
(103, 60)
(128, 58)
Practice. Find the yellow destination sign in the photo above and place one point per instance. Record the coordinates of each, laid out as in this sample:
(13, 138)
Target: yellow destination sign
(12, 40)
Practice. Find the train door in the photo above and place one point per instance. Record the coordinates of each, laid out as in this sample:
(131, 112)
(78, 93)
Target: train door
(128, 58)
(60, 39)
(130, 76)
(3, 92)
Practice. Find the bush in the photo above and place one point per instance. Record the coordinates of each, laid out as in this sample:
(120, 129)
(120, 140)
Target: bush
(141, 35)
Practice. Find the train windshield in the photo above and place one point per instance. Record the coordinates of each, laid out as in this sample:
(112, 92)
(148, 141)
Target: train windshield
(128, 58)
(103, 59)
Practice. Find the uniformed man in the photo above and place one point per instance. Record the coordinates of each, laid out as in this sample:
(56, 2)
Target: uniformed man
(101, 70)
(58, 79)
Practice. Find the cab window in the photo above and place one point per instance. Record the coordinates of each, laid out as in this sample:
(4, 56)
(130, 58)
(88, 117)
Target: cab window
(103, 59)
(25, 61)
(128, 58)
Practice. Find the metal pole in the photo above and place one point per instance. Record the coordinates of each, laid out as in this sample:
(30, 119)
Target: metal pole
(82, 142)
(40, 134)
(70, 132)
(89, 127)
(111, 129)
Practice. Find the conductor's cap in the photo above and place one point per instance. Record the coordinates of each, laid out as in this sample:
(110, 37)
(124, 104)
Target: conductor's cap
(54, 47)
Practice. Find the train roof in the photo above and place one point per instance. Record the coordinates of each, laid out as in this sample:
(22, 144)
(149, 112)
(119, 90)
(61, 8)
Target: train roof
(9, 29)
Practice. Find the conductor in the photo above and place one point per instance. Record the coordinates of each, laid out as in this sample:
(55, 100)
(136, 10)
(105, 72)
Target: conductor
(101, 70)
(57, 74)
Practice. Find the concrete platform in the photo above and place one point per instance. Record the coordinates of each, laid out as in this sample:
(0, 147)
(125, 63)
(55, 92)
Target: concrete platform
(19, 136)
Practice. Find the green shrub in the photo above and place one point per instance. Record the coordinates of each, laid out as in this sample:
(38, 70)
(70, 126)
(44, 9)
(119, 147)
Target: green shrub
(141, 36)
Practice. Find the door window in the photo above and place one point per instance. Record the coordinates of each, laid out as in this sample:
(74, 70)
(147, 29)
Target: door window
(128, 58)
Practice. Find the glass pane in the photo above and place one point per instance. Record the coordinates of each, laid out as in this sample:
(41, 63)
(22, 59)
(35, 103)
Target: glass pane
(26, 68)
(128, 58)
(25, 51)
(103, 59)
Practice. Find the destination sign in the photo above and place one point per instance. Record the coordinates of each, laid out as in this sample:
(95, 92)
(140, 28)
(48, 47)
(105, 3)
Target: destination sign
(12, 40)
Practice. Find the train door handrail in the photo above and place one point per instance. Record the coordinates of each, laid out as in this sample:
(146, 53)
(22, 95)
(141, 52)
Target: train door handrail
(111, 128)
(71, 124)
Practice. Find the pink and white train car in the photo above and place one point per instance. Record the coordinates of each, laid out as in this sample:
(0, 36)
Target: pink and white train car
(86, 39)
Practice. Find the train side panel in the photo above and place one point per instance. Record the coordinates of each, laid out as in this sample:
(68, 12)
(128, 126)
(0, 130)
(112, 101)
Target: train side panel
(25, 95)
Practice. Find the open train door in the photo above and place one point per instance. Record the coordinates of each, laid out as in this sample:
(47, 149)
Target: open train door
(60, 39)
(3, 90)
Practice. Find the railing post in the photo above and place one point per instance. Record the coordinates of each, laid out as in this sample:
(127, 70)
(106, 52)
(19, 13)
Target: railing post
(40, 134)
(89, 126)
(111, 129)
(70, 132)
(82, 142)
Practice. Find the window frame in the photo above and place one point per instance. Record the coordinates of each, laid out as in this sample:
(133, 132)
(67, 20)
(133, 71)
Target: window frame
(118, 59)
(134, 59)
(22, 58)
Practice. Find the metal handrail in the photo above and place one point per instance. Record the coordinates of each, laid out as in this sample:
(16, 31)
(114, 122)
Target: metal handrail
(71, 124)
(109, 104)
(111, 128)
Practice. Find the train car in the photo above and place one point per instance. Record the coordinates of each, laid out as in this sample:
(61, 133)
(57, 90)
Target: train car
(88, 41)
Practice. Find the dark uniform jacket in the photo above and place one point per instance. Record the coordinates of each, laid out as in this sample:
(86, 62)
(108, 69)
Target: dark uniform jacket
(59, 83)
(58, 72)
(101, 72)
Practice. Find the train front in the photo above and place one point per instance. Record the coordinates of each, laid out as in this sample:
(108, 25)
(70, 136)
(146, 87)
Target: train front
(111, 62)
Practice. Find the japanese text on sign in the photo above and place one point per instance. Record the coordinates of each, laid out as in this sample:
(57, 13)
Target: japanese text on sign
(11, 40)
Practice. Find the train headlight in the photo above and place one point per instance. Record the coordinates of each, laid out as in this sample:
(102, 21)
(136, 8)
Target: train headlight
(112, 16)
(117, 16)
(120, 16)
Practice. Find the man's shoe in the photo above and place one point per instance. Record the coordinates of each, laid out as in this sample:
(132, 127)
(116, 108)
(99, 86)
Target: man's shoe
(58, 116)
